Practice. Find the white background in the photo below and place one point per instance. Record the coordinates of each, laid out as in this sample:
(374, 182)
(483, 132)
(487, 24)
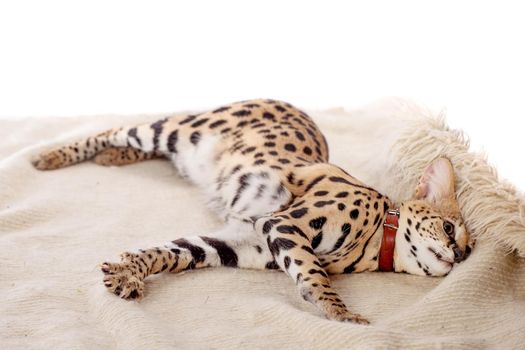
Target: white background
(65, 58)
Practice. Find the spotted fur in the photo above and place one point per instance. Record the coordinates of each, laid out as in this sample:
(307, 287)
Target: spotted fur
(264, 167)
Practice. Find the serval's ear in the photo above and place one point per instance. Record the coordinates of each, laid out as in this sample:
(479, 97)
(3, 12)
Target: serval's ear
(437, 182)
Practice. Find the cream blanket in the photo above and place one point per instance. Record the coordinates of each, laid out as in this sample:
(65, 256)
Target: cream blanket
(55, 227)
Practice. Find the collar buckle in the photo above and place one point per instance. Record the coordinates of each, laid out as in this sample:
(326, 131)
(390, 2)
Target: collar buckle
(389, 213)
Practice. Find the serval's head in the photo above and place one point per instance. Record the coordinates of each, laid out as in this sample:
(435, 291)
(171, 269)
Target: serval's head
(432, 236)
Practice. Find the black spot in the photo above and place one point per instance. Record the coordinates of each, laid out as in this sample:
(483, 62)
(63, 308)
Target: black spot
(307, 150)
(172, 141)
(314, 271)
(286, 262)
(199, 123)
(270, 136)
(242, 113)
(283, 160)
(269, 224)
(217, 123)
(243, 183)
(269, 116)
(259, 249)
(222, 109)
(226, 254)
(298, 262)
(298, 213)
(321, 204)
(188, 119)
(307, 249)
(259, 162)
(317, 240)
(281, 243)
(242, 124)
(317, 223)
(272, 265)
(417, 226)
(280, 109)
(376, 205)
(236, 169)
(298, 204)
(291, 229)
(407, 237)
(195, 137)
(290, 147)
(354, 214)
(299, 135)
(341, 194)
(248, 150)
(270, 144)
(260, 191)
(320, 193)
(251, 105)
(357, 203)
(341, 206)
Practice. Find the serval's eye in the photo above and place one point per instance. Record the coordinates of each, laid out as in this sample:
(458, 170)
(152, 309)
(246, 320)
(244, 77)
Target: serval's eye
(448, 227)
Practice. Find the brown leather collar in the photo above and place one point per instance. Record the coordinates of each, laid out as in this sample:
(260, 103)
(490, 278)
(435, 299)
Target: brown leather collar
(388, 243)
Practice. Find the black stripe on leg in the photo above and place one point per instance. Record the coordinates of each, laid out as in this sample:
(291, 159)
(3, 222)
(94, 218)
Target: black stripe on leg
(226, 254)
(172, 141)
(195, 137)
(157, 130)
(198, 254)
(132, 133)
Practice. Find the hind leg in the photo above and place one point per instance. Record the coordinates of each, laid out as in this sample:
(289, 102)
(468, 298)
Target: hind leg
(116, 156)
(153, 138)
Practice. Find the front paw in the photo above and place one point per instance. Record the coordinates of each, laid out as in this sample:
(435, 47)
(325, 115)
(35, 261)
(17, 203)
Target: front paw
(122, 280)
